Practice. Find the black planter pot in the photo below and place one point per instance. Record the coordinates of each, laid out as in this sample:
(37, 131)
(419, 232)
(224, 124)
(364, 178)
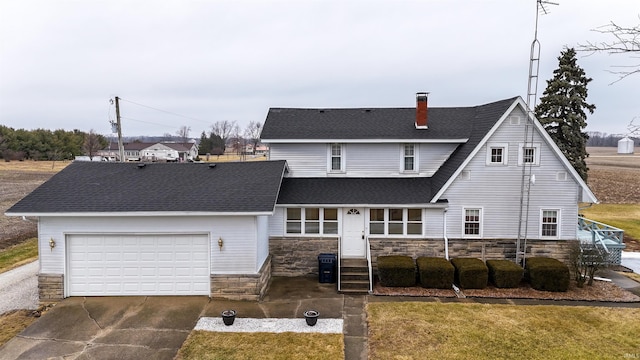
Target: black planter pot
(228, 316)
(311, 317)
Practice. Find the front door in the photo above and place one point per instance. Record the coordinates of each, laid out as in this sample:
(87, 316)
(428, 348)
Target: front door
(353, 243)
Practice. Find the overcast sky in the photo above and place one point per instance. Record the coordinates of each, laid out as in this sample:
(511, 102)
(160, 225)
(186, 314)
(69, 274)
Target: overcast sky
(61, 61)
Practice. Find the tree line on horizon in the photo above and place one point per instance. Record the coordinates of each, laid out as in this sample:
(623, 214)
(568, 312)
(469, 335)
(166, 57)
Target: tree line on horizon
(43, 144)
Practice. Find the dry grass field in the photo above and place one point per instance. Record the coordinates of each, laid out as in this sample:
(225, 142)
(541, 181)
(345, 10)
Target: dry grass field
(613, 177)
(17, 179)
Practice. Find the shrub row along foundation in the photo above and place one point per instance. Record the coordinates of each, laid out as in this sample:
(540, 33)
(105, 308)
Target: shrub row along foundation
(470, 273)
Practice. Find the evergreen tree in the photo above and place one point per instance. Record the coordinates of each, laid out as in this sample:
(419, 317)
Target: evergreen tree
(562, 110)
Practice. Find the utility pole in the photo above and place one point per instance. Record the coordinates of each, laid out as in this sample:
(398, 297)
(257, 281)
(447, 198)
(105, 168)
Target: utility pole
(119, 126)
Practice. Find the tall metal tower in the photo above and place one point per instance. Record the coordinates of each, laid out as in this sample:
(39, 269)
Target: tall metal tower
(528, 179)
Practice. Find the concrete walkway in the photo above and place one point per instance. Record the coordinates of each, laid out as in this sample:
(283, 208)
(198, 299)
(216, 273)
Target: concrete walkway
(139, 327)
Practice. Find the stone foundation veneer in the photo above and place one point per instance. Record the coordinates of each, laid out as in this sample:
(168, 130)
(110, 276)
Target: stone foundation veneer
(50, 287)
(242, 287)
(476, 248)
(298, 256)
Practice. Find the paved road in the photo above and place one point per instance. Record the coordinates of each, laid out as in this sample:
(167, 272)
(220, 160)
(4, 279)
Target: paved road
(19, 288)
(631, 260)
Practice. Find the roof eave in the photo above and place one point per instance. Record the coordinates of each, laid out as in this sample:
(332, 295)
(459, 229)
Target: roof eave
(363, 141)
(140, 213)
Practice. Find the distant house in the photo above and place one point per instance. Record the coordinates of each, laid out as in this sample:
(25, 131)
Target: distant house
(359, 183)
(162, 151)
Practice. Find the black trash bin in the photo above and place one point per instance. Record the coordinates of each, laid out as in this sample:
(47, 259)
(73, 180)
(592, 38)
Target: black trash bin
(327, 268)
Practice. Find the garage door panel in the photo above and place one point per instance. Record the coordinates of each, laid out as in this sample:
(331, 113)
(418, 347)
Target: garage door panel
(137, 265)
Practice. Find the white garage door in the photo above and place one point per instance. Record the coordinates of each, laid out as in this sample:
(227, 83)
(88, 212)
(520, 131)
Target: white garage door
(137, 265)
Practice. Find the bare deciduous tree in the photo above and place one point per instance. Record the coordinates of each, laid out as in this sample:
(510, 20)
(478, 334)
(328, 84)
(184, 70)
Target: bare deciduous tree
(183, 133)
(252, 132)
(91, 144)
(223, 129)
(626, 40)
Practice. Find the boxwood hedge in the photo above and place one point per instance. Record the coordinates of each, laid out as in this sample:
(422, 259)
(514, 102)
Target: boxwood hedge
(435, 272)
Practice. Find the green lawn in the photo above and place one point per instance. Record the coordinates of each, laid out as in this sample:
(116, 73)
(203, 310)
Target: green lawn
(417, 330)
(623, 216)
(17, 255)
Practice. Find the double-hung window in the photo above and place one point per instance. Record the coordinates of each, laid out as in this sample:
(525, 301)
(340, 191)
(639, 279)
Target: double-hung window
(549, 223)
(472, 222)
(336, 158)
(312, 221)
(395, 221)
(409, 158)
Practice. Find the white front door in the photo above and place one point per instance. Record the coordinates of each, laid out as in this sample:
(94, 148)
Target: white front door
(353, 243)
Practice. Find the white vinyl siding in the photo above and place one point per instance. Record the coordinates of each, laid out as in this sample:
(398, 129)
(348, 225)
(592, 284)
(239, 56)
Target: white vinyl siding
(360, 160)
(497, 190)
(303, 160)
(238, 255)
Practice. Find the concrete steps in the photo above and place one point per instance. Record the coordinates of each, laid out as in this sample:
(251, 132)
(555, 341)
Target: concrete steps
(354, 276)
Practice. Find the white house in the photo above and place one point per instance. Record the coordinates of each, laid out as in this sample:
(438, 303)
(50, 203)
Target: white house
(419, 181)
(358, 183)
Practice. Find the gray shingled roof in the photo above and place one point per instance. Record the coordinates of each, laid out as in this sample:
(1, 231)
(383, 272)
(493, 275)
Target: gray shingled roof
(86, 187)
(472, 123)
(355, 191)
(361, 123)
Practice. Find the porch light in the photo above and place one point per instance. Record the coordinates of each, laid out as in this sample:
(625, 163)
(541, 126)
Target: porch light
(220, 243)
(52, 243)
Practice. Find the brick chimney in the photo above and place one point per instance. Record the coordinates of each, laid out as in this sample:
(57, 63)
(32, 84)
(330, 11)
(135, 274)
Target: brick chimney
(421, 110)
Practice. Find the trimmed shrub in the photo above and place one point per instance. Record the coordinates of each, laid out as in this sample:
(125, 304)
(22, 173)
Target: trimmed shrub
(435, 272)
(504, 273)
(395, 270)
(547, 274)
(470, 273)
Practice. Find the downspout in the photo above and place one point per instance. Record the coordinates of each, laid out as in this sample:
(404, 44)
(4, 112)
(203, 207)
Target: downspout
(444, 234)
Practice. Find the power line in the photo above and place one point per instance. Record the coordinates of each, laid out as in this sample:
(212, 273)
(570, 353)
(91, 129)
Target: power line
(166, 111)
(148, 122)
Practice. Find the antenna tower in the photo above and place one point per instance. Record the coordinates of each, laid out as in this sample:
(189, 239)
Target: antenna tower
(527, 178)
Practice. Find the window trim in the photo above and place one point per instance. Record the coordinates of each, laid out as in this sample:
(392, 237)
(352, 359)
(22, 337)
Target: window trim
(387, 220)
(403, 156)
(480, 222)
(330, 156)
(536, 155)
(321, 222)
(505, 154)
(557, 223)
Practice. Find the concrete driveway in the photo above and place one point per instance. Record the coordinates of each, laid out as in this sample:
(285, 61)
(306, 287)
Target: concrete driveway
(109, 328)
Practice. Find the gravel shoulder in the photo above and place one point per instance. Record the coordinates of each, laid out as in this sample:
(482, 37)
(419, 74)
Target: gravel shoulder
(19, 288)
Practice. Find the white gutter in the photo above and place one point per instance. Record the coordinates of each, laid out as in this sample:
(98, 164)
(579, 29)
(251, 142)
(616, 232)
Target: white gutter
(444, 234)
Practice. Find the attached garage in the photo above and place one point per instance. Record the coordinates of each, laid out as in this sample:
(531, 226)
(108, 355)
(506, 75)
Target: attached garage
(117, 229)
(158, 264)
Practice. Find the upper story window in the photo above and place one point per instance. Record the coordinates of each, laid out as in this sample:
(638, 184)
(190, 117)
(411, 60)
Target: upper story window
(336, 158)
(312, 221)
(409, 158)
(395, 221)
(497, 154)
(529, 154)
(472, 222)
